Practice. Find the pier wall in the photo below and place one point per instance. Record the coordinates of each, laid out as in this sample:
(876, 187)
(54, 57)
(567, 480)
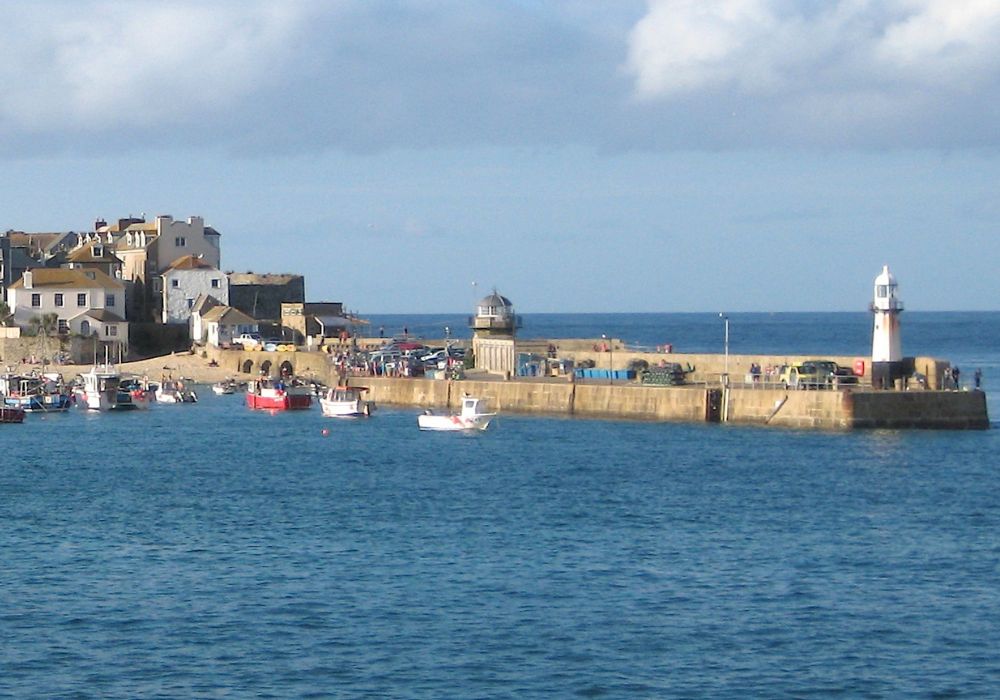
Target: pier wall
(920, 409)
(822, 410)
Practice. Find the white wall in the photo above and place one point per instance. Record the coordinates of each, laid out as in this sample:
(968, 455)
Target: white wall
(190, 283)
(19, 301)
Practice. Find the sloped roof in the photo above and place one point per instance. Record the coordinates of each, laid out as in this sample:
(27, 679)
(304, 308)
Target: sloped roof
(61, 277)
(227, 315)
(189, 262)
(203, 302)
(102, 315)
(85, 253)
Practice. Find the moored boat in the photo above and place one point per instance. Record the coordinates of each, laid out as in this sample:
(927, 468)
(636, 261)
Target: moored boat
(225, 387)
(346, 402)
(175, 391)
(11, 414)
(470, 418)
(278, 395)
(34, 392)
(103, 389)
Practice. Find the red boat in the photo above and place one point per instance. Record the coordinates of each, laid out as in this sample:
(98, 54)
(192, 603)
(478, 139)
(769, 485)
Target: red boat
(11, 414)
(278, 395)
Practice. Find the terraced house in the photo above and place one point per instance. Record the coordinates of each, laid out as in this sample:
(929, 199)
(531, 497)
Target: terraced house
(85, 301)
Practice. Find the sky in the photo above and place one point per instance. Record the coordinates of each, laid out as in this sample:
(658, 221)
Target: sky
(411, 156)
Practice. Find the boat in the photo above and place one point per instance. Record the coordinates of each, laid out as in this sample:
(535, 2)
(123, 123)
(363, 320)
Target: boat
(11, 414)
(175, 391)
(225, 387)
(104, 389)
(278, 395)
(470, 418)
(346, 402)
(34, 392)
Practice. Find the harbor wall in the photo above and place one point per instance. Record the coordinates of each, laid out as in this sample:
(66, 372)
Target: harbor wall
(823, 410)
(920, 409)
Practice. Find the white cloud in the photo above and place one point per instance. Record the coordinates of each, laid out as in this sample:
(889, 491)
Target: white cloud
(793, 49)
(79, 65)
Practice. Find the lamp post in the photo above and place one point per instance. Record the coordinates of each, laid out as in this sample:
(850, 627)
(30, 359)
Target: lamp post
(611, 357)
(725, 320)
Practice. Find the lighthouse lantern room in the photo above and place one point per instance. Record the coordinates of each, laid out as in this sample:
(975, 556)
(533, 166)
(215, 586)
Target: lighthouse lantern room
(887, 354)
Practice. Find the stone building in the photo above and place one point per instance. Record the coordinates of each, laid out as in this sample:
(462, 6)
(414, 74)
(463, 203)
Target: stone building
(494, 327)
(261, 296)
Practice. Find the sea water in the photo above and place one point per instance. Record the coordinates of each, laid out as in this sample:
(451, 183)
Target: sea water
(207, 550)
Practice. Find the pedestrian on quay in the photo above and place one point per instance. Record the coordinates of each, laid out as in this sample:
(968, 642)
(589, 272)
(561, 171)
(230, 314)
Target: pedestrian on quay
(977, 378)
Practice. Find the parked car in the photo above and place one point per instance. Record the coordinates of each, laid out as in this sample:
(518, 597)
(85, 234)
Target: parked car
(247, 340)
(815, 374)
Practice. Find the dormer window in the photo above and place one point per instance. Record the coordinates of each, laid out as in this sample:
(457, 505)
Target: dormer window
(98, 251)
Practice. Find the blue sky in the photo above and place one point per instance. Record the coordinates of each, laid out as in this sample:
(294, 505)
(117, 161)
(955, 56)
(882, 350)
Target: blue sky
(671, 155)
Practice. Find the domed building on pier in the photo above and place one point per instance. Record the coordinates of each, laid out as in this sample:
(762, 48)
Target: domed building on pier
(493, 329)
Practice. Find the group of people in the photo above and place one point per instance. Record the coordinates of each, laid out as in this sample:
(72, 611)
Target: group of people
(952, 377)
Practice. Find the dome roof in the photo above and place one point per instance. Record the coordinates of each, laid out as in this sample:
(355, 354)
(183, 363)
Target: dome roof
(495, 300)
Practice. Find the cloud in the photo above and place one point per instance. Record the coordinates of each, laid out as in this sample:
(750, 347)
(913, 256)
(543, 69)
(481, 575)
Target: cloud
(278, 77)
(92, 66)
(848, 64)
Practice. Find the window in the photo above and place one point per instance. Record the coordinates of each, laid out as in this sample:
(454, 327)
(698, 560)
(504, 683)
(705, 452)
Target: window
(175, 283)
(81, 299)
(111, 330)
(180, 241)
(190, 303)
(59, 299)
(36, 300)
(63, 326)
(882, 291)
(215, 284)
(109, 300)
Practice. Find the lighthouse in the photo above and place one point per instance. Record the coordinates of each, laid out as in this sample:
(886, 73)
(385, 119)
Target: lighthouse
(887, 353)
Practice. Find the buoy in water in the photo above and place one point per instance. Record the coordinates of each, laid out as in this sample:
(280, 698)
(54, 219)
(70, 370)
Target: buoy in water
(325, 432)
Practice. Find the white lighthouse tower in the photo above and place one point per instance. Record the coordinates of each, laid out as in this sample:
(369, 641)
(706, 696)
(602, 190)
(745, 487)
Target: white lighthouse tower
(887, 353)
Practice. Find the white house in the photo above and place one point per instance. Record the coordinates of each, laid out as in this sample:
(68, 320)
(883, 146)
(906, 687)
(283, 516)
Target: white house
(86, 301)
(184, 281)
(223, 323)
(203, 304)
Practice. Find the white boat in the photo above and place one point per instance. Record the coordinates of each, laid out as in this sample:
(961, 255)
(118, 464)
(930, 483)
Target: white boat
(104, 389)
(171, 391)
(346, 402)
(471, 417)
(225, 387)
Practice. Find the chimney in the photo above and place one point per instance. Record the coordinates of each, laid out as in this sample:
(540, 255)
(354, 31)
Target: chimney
(28, 279)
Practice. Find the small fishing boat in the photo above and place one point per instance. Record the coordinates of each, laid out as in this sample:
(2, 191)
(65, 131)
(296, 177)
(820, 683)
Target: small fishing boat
(471, 417)
(175, 391)
(11, 414)
(346, 402)
(278, 395)
(34, 392)
(104, 389)
(225, 387)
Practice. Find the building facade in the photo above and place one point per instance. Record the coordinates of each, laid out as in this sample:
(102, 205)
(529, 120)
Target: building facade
(188, 278)
(85, 301)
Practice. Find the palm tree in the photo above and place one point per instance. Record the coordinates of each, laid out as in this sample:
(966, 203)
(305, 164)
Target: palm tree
(45, 325)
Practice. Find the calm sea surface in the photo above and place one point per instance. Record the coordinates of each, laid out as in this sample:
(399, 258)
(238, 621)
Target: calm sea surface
(205, 550)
